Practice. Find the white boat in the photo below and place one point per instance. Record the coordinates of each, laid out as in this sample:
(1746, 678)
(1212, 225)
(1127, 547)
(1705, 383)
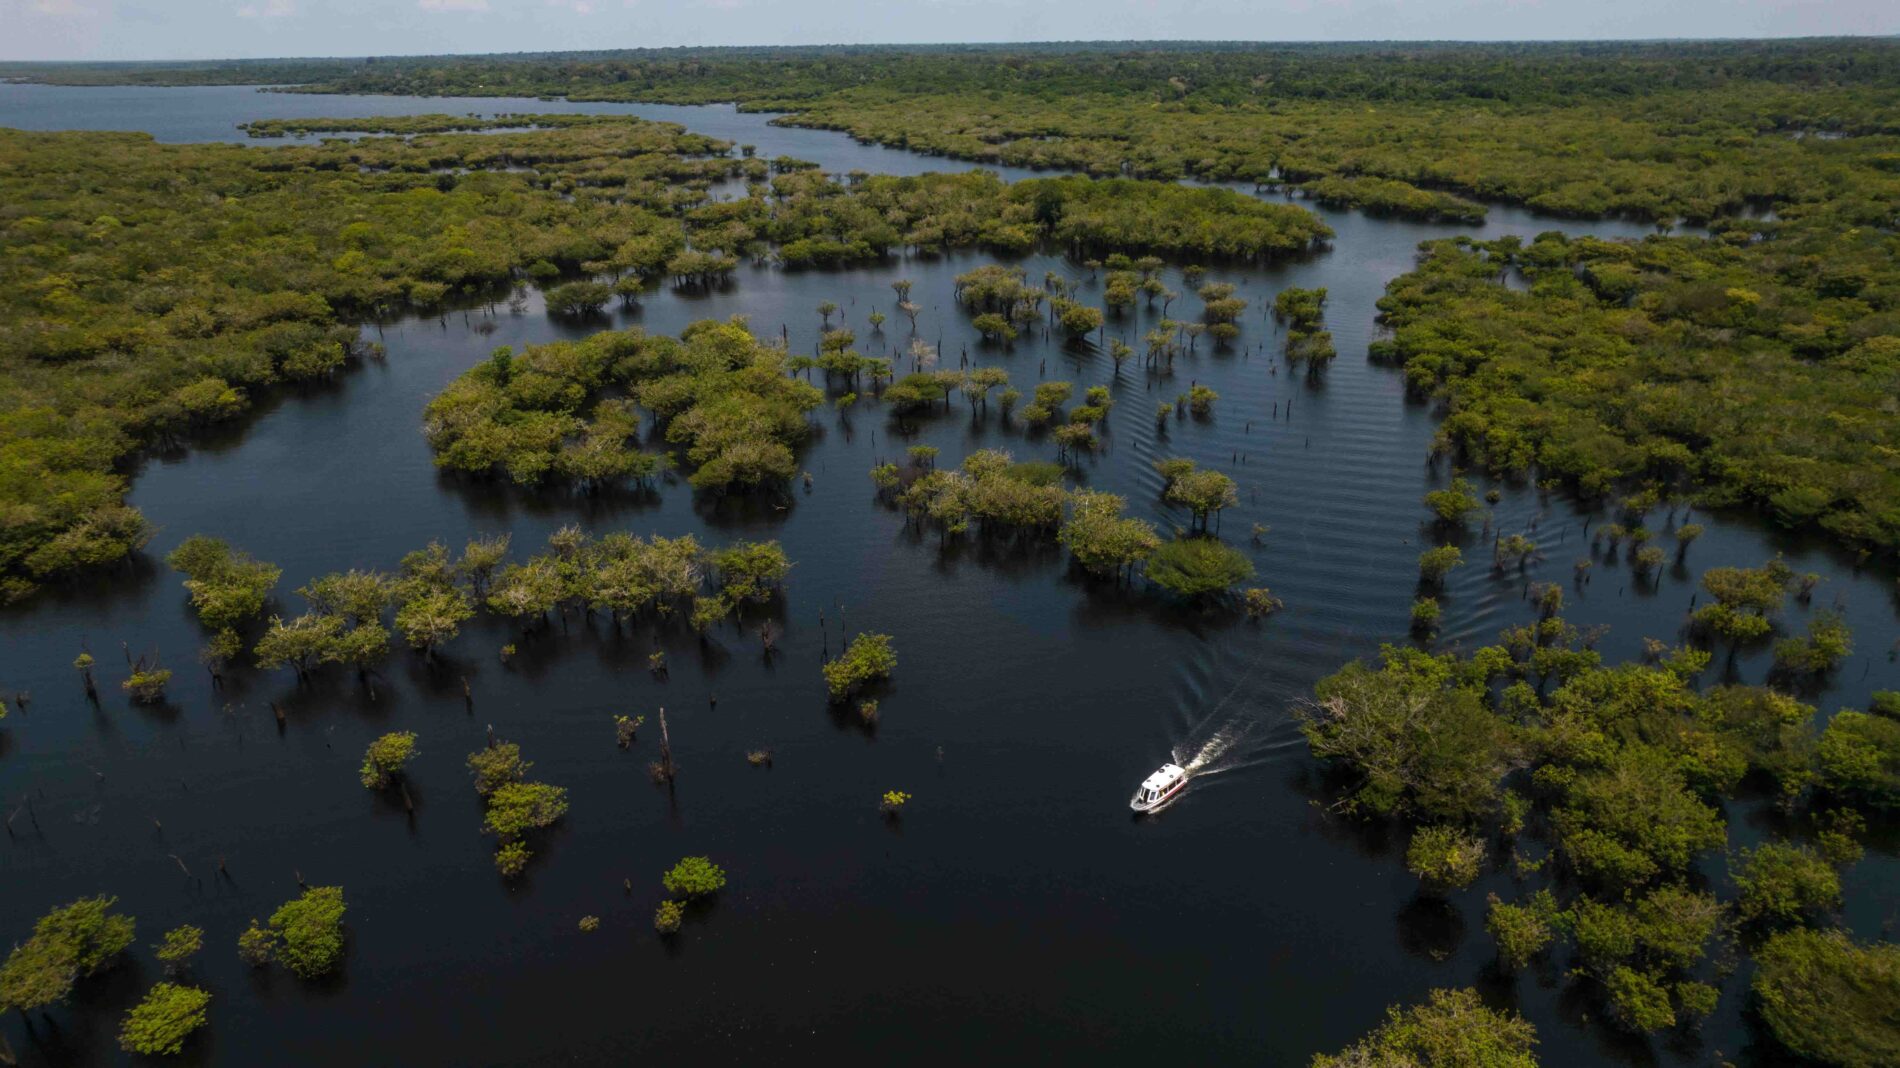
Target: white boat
(1160, 788)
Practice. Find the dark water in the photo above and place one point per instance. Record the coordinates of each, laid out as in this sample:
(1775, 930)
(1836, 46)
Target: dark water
(1017, 911)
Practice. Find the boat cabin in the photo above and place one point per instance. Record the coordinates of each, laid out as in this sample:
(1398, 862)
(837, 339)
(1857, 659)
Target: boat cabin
(1159, 787)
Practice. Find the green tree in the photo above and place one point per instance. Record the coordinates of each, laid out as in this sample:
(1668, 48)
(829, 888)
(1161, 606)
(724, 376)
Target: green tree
(994, 327)
(227, 587)
(1860, 757)
(1827, 643)
(1522, 931)
(1416, 737)
(433, 618)
(1445, 857)
(1745, 601)
(385, 758)
(161, 1022)
(515, 808)
(528, 591)
(867, 658)
(1197, 567)
(308, 931)
(256, 945)
(69, 943)
(1201, 399)
(1633, 818)
(357, 596)
(578, 298)
(480, 557)
(1202, 492)
(146, 684)
(1453, 1029)
(496, 766)
(1079, 320)
(1101, 539)
(1453, 503)
(751, 571)
(694, 877)
(1829, 999)
(300, 643)
(1641, 1002)
(1782, 883)
(179, 946)
(667, 918)
(1434, 564)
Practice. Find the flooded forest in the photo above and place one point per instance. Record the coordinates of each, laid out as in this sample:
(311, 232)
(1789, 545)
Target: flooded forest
(595, 556)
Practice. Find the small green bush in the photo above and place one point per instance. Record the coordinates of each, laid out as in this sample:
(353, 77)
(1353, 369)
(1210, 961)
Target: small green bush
(694, 877)
(666, 919)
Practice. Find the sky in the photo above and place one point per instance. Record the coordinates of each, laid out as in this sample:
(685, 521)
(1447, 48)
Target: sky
(213, 29)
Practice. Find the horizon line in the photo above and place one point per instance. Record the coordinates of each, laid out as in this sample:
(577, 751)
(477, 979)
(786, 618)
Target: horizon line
(899, 46)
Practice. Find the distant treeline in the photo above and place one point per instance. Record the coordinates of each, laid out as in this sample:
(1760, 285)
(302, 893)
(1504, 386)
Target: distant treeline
(1658, 130)
(1549, 72)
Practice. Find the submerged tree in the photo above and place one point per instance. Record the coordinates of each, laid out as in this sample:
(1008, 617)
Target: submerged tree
(1101, 539)
(300, 643)
(68, 944)
(1782, 883)
(516, 808)
(147, 681)
(305, 933)
(227, 587)
(161, 1022)
(1445, 857)
(1197, 567)
(1522, 932)
(385, 759)
(869, 657)
(1453, 1029)
(1414, 738)
(1453, 503)
(496, 766)
(179, 945)
(1829, 999)
(694, 877)
(1202, 492)
(667, 918)
(1434, 564)
(433, 618)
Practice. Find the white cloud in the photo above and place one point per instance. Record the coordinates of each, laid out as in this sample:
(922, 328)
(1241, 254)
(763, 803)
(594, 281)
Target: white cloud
(452, 5)
(579, 7)
(269, 9)
(57, 7)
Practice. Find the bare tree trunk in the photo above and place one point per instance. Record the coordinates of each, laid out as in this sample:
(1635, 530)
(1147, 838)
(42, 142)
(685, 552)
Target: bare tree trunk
(666, 750)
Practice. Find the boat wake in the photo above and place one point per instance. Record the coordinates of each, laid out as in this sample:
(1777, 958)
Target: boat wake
(1230, 736)
(1221, 750)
